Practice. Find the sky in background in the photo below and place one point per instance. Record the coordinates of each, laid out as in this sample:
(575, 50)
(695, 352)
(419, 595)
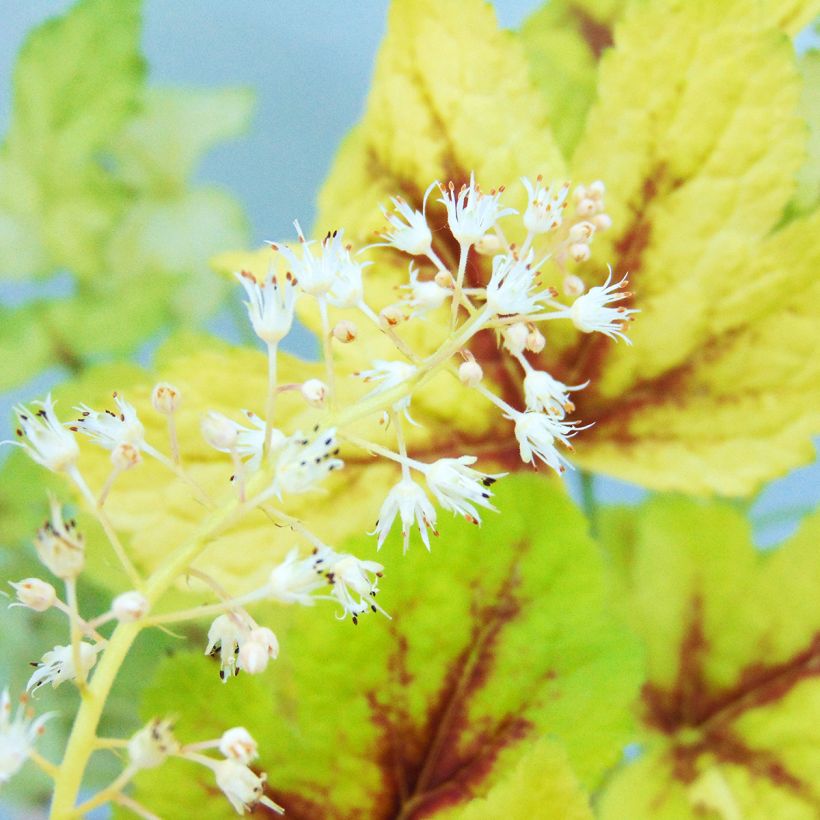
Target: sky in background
(309, 63)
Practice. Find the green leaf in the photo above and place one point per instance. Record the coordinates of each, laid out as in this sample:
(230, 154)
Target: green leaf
(731, 705)
(499, 637)
(807, 196)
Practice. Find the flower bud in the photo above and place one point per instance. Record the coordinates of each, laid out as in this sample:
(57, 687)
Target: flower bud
(579, 194)
(314, 392)
(573, 285)
(345, 332)
(152, 744)
(219, 431)
(125, 455)
(165, 398)
(130, 606)
(470, 373)
(59, 546)
(391, 316)
(256, 649)
(586, 207)
(536, 341)
(444, 279)
(237, 744)
(581, 232)
(35, 594)
(596, 190)
(602, 222)
(488, 245)
(579, 252)
(515, 338)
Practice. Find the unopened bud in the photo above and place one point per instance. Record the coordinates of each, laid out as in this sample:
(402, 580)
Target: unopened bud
(152, 744)
(579, 252)
(535, 341)
(444, 279)
(391, 316)
(345, 332)
(470, 373)
(515, 338)
(165, 398)
(125, 455)
(35, 594)
(260, 646)
(219, 431)
(488, 245)
(586, 207)
(581, 232)
(596, 190)
(573, 285)
(314, 392)
(602, 222)
(579, 194)
(238, 744)
(130, 606)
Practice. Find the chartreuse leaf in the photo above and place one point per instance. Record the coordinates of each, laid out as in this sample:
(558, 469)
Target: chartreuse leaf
(731, 702)
(451, 94)
(807, 195)
(500, 637)
(77, 79)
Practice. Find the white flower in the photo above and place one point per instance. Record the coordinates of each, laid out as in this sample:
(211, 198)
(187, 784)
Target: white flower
(110, 429)
(347, 290)
(471, 213)
(130, 606)
(457, 487)
(225, 636)
(390, 375)
(352, 585)
(270, 304)
(151, 745)
(316, 274)
(35, 594)
(424, 295)
(47, 441)
(238, 745)
(537, 434)
(409, 501)
(590, 312)
(226, 435)
(241, 786)
(17, 736)
(166, 398)
(543, 392)
(545, 206)
(257, 648)
(303, 463)
(410, 232)
(57, 665)
(296, 579)
(511, 288)
(59, 545)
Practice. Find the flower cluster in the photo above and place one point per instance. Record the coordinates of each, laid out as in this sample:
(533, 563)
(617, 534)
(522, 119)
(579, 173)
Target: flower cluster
(492, 290)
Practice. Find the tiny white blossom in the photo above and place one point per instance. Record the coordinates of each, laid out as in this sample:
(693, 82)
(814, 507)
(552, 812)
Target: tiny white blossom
(270, 304)
(303, 462)
(111, 429)
(44, 438)
(424, 295)
(239, 745)
(257, 649)
(296, 579)
(316, 274)
(512, 286)
(226, 636)
(353, 586)
(389, 375)
(59, 545)
(130, 606)
(590, 312)
(166, 398)
(242, 786)
(35, 594)
(545, 206)
(470, 373)
(57, 665)
(347, 290)
(409, 501)
(17, 736)
(537, 434)
(314, 392)
(226, 435)
(410, 232)
(543, 392)
(457, 487)
(151, 745)
(471, 212)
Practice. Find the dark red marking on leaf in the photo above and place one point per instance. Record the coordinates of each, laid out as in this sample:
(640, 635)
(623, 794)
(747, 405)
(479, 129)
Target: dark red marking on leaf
(598, 35)
(693, 703)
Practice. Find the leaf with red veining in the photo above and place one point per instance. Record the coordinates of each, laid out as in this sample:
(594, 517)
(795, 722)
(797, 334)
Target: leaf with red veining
(732, 701)
(500, 636)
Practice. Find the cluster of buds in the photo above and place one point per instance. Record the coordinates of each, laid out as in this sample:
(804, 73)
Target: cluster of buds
(492, 286)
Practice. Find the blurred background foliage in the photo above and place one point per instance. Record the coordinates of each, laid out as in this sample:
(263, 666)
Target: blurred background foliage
(121, 177)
